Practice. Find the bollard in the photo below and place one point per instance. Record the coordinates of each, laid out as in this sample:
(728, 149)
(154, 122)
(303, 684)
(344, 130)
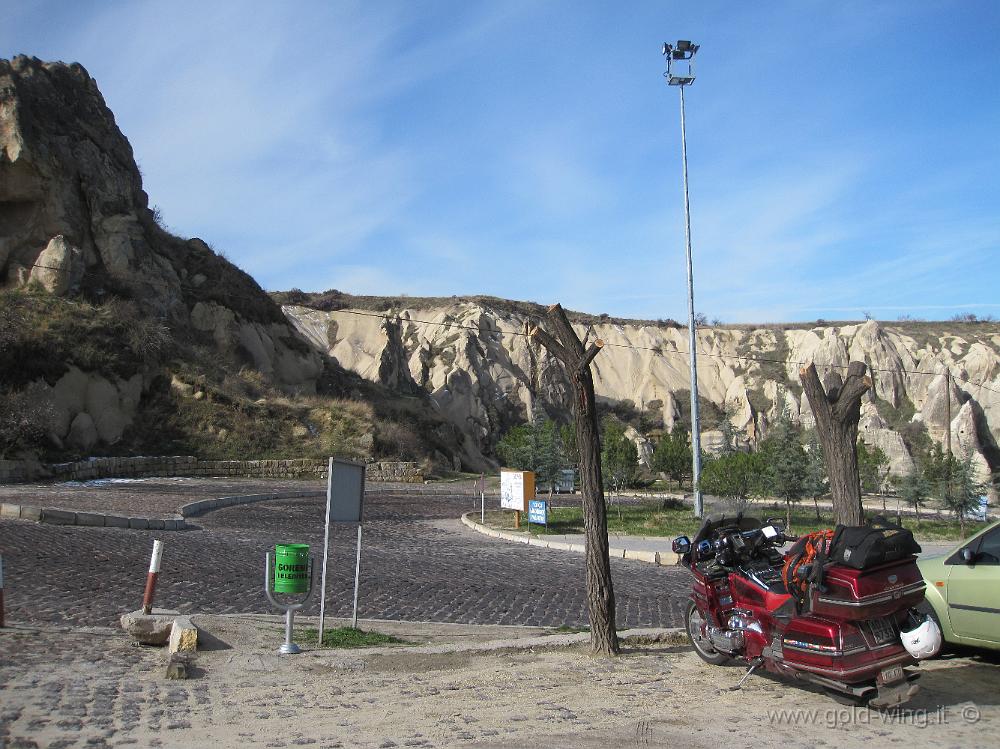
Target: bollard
(154, 572)
(2, 624)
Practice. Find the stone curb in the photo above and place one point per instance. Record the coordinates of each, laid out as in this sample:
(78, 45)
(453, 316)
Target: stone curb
(57, 516)
(663, 559)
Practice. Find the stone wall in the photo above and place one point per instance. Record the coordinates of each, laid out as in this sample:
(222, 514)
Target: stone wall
(18, 471)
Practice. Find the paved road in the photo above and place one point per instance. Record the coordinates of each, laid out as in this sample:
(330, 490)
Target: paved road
(419, 564)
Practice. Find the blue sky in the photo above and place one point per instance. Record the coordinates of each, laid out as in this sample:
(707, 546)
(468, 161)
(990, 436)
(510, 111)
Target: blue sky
(844, 157)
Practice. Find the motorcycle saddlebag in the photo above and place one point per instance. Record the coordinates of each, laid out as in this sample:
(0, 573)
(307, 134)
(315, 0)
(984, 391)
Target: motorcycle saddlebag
(855, 595)
(877, 543)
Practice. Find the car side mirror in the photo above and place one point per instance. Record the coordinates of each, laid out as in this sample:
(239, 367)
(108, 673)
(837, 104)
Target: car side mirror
(681, 545)
(968, 557)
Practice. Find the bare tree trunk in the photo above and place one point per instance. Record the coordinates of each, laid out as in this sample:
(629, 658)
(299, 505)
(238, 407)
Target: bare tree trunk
(837, 409)
(816, 506)
(600, 593)
(788, 514)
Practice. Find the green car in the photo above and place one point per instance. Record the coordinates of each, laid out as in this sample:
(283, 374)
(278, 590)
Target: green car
(963, 590)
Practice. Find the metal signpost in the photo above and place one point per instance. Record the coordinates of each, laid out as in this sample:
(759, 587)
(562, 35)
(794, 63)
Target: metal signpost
(345, 496)
(538, 512)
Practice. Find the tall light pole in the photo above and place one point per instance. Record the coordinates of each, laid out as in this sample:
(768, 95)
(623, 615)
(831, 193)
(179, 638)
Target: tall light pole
(682, 53)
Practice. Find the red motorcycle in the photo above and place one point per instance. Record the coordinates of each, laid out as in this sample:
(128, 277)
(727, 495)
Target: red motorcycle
(847, 625)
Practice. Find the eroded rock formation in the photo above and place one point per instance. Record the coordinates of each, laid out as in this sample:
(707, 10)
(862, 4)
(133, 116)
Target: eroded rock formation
(75, 220)
(485, 374)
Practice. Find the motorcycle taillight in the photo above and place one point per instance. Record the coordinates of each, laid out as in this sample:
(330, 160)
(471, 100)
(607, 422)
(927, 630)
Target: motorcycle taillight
(851, 639)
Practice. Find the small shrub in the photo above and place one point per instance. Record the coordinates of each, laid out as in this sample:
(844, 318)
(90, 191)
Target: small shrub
(25, 420)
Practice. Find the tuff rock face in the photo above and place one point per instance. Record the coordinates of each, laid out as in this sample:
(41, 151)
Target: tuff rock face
(485, 375)
(74, 219)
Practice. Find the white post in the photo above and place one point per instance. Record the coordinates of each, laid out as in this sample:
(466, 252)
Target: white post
(154, 573)
(357, 578)
(326, 552)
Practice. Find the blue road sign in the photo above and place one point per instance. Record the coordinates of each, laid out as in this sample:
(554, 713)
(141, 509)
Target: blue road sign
(538, 511)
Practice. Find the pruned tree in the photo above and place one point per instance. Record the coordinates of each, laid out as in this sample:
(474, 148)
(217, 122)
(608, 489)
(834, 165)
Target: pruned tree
(567, 348)
(836, 404)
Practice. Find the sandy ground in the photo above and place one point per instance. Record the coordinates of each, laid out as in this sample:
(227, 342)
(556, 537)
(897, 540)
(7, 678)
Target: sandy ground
(457, 686)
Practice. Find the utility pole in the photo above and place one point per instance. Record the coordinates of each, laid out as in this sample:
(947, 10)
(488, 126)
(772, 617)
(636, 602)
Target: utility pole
(685, 51)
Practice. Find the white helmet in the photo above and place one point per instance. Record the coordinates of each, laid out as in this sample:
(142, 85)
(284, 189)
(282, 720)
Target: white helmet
(923, 641)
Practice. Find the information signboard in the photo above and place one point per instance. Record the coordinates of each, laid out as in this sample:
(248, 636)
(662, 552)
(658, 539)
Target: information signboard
(538, 511)
(346, 491)
(516, 488)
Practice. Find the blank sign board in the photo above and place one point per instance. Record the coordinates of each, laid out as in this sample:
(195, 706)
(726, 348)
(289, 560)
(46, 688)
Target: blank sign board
(346, 491)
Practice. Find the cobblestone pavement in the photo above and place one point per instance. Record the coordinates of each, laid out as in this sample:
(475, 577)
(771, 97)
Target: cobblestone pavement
(419, 564)
(80, 688)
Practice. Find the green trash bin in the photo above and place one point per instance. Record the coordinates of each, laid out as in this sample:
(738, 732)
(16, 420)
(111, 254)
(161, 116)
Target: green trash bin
(291, 568)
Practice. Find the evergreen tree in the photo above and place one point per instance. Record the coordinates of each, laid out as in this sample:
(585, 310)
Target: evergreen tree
(872, 465)
(786, 464)
(732, 438)
(966, 491)
(672, 455)
(913, 489)
(549, 453)
(816, 482)
(537, 447)
(619, 456)
(741, 477)
(516, 449)
(571, 451)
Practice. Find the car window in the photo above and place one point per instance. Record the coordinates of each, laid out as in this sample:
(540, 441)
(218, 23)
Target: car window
(989, 549)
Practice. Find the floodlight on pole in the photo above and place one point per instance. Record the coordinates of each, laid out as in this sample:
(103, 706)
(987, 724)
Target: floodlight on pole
(682, 75)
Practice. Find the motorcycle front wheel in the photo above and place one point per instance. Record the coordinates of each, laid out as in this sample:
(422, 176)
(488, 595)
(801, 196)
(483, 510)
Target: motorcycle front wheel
(693, 623)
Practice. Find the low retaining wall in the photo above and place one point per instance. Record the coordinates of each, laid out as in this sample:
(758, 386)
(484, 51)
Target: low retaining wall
(21, 471)
(57, 516)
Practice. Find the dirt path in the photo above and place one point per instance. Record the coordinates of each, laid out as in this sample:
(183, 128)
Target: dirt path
(92, 688)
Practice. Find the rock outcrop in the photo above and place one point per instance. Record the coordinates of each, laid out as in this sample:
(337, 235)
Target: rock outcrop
(74, 219)
(474, 361)
(133, 339)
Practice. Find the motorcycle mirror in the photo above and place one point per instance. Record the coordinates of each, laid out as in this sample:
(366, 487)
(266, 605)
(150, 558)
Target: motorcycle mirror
(778, 523)
(968, 557)
(681, 545)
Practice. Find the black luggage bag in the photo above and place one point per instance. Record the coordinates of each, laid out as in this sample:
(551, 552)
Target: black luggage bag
(877, 542)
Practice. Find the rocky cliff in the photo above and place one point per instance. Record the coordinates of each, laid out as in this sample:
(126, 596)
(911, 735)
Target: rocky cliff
(473, 358)
(116, 335)
(75, 220)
